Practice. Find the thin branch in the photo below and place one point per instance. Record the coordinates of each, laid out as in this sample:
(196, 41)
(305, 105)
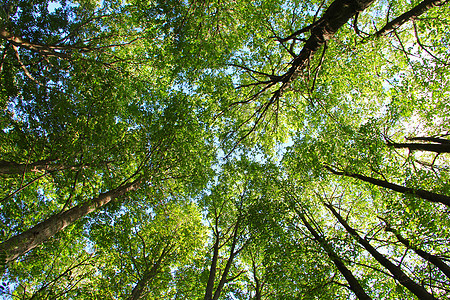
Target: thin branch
(24, 68)
(423, 46)
(300, 31)
(25, 186)
(5, 49)
(261, 116)
(317, 69)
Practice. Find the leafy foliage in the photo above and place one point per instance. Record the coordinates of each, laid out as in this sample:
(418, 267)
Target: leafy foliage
(224, 149)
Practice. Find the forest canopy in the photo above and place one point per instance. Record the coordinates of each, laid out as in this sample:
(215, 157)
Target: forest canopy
(228, 149)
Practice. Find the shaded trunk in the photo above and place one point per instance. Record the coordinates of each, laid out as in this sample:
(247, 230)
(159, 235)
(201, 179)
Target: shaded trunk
(396, 271)
(438, 148)
(409, 15)
(9, 167)
(211, 293)
(430, 196)
(258, 288)
(223, 279)
(149, 274)
(433, 259)
(337, 14)
(212, 271)
(429, 139)
(24, 242)
(352, 281)
(49, 165)
(258, 284)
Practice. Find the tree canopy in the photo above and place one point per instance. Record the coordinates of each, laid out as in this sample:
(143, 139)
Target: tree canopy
(277, 149)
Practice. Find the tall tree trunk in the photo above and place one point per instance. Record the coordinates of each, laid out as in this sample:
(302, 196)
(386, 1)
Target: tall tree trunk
(10, 167)
(430, 196)
(409, 15)
(435, 260)
(337, 14)
(429, 139)
(258, 284)
(24, 242)
(225, 272)
(352, 281)
(396, 271)
(148, 275)
(438, 148)
(212, 271)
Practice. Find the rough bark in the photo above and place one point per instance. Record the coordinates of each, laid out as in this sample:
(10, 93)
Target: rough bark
(427, 195)
(396, 271)
(433, 259)
(26, 241)
(409, 15)
(352, 281)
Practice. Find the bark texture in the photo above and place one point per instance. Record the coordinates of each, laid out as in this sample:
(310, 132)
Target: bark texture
(337, 14)
(26, 241)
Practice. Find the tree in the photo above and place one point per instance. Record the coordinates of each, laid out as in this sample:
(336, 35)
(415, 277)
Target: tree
(351, 279)
(434, 259)
(415, 288)
(120, 120)
(147, 249)
(395, 187)
(227, 207)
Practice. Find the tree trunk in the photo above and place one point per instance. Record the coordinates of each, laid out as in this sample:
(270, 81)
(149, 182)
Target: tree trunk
(438, 148)
(352, 281)
(336, 15)
(409, 15)
(223, 279)
(9, 167)
(435, 260)
(24, 242)
(430, 196)
(396, 271)
(212, 270)
(429, 139)
(258, 284)
(149, 274)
